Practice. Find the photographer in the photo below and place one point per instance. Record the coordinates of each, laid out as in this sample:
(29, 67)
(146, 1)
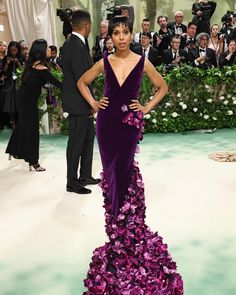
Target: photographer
(188, 40)
(161, 39)
(174, 56)
(97, 50)
(202, 56)
(227, 28)
(203, 11)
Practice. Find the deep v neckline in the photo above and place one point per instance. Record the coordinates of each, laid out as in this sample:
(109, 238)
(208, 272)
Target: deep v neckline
(120, 85)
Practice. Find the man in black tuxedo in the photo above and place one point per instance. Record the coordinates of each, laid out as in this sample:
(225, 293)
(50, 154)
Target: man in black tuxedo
(202, 56)
(175, 56)
(75, 61)
(177, 27)
(188, 39)
(145, 48)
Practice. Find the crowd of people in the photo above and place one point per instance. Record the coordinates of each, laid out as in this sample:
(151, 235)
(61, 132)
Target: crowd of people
(197, 43)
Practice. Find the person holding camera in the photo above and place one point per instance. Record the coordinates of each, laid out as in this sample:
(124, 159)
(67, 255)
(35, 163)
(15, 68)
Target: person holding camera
(188, 39)
(229, 58)
(202, 56)
(11, 62)
(203, 11)
(227, 29)
(161, 39)
(174, 56)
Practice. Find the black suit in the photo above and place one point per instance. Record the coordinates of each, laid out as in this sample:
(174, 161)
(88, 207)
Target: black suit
(223, 61)
(75, 61)
(152, 54)
(172, 27)
(168, 56)
(210, 58)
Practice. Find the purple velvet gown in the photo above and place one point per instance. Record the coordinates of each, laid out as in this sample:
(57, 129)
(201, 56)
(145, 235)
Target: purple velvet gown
(135, 261)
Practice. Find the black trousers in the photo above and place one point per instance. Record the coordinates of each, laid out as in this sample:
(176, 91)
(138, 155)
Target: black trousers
(79, 148)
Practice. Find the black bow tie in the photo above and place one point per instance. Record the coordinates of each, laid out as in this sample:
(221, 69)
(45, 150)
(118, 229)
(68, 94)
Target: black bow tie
(178, 26)
(202, 50)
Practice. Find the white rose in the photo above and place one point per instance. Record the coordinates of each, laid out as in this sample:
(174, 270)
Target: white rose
(184, 106)
(230, 113)
(209, 100)
(147, 116)
(207, 86)
(164, 119)
(174, 115)
(65, 115)
(221, 97)
(206, 117)
(167, 104)
(225, 102)
(195, 110)
(154, 121)
(214, 118)
(181, 103)
(229, 95)
(200, 114)
(179, 94)
(163, 113)
(150, 97)
(234, 102)
(195, 100)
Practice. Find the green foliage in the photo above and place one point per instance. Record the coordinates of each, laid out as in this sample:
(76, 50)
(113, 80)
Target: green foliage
(197, 99)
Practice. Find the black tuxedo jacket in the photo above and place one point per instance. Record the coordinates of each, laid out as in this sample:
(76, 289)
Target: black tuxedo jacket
(210, 55)
(153, 56)
(168, 57)
(171, 26)
(75, 62)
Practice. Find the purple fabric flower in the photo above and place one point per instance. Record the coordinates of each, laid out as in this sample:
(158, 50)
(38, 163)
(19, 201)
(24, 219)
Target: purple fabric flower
(135, 260)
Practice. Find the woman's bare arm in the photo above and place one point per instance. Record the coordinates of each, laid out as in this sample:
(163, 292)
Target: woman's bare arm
(158, 82)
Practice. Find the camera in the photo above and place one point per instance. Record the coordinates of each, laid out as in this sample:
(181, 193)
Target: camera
(227, 18)
(65, 15)
(117, 10)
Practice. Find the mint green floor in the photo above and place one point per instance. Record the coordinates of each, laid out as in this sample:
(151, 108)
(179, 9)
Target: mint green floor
(206, 260)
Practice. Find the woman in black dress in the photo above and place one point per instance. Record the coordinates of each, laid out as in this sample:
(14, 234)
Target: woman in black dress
(24, 142)
(11, 62)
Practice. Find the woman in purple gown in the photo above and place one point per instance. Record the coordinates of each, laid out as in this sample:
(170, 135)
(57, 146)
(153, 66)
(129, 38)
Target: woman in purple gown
(135, 260)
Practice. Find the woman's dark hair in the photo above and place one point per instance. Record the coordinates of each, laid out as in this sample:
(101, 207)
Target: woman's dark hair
(14, 44)
(117, 21)
(37, 53)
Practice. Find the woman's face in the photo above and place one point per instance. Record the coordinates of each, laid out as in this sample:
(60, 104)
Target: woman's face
(214, 31)
(3, 48)
(232, 46)
(121, 37)
(13, 50)
(48, 52)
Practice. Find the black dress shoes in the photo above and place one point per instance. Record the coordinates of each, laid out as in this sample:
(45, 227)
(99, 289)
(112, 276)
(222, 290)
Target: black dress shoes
(89, 181)
(78, 189)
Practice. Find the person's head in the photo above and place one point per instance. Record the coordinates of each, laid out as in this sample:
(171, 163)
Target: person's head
(232, 46)
(146, 39)
(108, 43)
(103, 28)
(39, 52)
(14, 49)
(120, 29)
(24, 48)
(3, 47)
(175, 42)
(202, 39)
(162, 21)
(191, 29)
(53, 51)
(125, 11)
(145, 25)
(81, 22)
(179, 17)
(215, 29)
